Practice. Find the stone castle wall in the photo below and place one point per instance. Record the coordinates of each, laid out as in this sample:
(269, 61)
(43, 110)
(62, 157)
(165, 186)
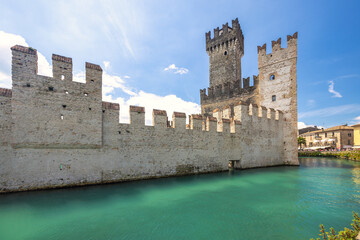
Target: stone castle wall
(44, 144)
(278, 79)
(274, 87)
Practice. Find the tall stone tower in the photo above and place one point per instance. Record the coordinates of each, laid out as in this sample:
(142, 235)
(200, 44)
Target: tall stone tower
(278, 88)
(275, 86)
(225, 51)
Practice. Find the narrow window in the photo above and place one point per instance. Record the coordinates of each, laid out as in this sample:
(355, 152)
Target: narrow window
(90, 109)
(325, 134)
(349, 134)
(64, 106)
(92, 80)
(103, 111)
(51, 89)
(62, 77)
(28, 85)
(272, 77)
(348, 142)
(273, 98)
(225, 53)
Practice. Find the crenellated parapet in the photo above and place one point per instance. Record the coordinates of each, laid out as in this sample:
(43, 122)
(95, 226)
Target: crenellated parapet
(224, 37)
(225, 51)
(25, 64)
(228, 90)
(4, 92)
(276, 47)
(245, 116)
(55, 109)
(110, 105)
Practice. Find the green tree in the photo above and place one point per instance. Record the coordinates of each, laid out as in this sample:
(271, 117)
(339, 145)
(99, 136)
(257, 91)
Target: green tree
(346, 234)
(301, 141)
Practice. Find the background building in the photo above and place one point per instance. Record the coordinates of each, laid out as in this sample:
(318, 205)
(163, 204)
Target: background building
(356, 136)
(338, 137)
(308, 129)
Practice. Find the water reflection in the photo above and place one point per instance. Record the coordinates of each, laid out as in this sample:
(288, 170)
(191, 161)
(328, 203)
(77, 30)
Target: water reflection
(356, 175)
(281, 201)
(327, 162)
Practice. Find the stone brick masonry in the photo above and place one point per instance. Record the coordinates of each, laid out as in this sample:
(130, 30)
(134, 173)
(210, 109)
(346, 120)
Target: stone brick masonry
(55, 132)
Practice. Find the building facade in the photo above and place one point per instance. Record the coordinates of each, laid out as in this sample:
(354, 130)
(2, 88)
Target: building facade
(338, 137)
(356, 136)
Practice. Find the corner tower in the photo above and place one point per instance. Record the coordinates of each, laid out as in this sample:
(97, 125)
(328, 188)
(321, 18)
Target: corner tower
(225, 51)
(278, 88)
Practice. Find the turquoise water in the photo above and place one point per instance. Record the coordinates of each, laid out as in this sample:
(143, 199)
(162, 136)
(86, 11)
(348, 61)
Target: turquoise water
(271, 203)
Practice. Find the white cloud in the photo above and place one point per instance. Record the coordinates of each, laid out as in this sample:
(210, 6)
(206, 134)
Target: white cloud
(111, 83)
(5, 80)
(331, 90)
(176, 70)
(302, 125)
(106, 65)
(150, 101)
(7, 41)
(357, 118)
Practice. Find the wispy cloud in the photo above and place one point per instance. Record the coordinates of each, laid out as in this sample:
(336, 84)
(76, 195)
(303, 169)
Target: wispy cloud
(125, 22)
(331, 111)
(331, 90)
(311, 102)
(342, 77)
(176, 70)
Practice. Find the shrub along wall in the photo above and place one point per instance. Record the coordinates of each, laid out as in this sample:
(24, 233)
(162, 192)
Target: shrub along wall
(350, 155)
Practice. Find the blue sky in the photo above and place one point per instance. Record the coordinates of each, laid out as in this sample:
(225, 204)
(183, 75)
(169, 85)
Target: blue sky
(153, 52)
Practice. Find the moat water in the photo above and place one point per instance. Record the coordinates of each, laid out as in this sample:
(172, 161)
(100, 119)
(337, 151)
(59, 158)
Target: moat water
(270, 203)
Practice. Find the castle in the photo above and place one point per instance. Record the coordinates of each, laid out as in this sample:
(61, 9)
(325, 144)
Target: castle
(55, 132)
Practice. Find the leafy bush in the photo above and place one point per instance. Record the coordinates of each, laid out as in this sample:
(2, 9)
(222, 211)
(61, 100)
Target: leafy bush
(346, 234)
(350, 155)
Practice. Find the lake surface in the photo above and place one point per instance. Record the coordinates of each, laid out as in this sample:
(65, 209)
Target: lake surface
(270, 203)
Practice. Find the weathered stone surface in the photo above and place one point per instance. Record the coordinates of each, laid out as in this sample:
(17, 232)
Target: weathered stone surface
(55, 132)
(274, 87)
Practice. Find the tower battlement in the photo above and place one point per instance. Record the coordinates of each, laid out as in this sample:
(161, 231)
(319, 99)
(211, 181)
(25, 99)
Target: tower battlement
(224, 36)
(276, 45)
(228, 90)
(67, 108)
